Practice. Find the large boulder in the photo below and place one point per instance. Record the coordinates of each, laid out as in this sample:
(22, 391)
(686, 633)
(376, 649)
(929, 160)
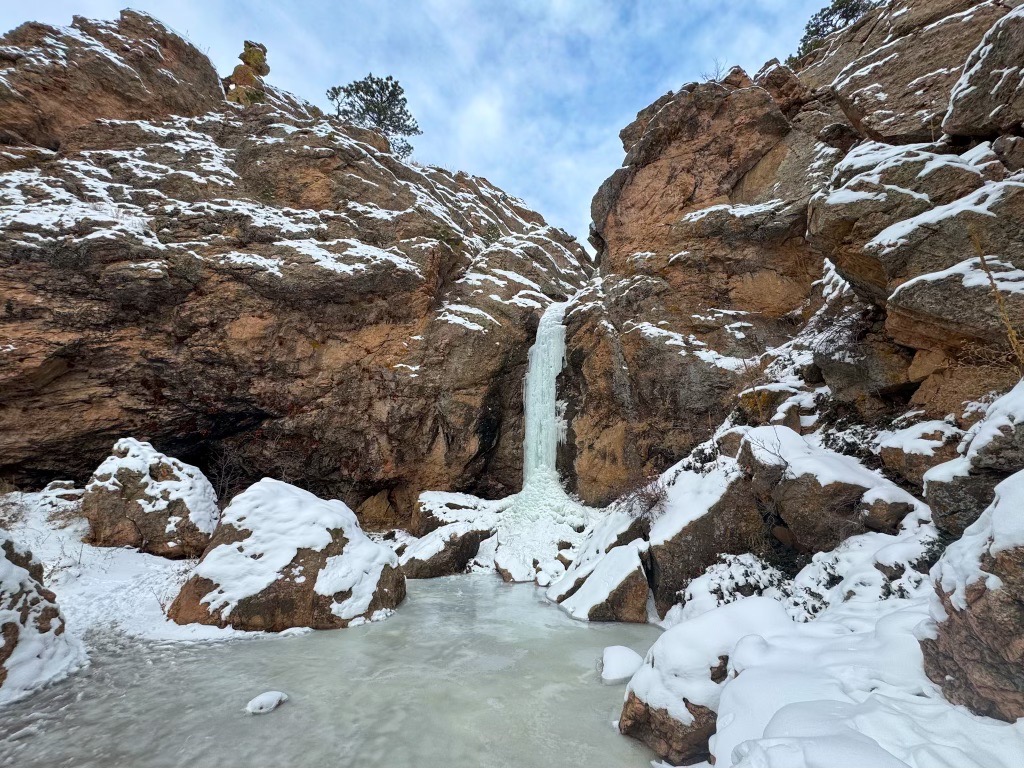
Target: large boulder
(988, 99)
(53, 80)
(615, 590)
(139, 497)
(34, 647)
(672, 701)
(282, 558)
(975, 652)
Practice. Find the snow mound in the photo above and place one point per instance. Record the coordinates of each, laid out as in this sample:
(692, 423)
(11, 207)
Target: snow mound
(266, 702)
(619, 663)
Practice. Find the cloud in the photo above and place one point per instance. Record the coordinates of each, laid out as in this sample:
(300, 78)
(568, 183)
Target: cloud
(530, 94)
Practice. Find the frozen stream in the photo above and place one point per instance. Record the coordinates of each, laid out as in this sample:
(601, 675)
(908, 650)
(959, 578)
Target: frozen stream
(469, 672)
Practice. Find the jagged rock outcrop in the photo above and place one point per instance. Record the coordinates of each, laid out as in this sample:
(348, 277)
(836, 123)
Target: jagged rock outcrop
(138, 497)
(34, 648)
(245, 85)
(55, 80)
(282, 558)
(262, 287)
(703, 264)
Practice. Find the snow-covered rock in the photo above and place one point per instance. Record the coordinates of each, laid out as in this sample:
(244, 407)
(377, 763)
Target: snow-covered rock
(616, 589)
(281, 558)
(619, 663)
(993, 449)
(266, 702)
(444, 551)
(139, 497)
(976, 651)
(35, 648)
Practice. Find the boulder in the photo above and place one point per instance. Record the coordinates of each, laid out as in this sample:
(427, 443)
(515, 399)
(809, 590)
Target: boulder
(34, 648)
(443, 552)
(975, 652)
(672, 701)
(282, 558)
(820, 496)
(988, 99)
(139, 497)
(911, 451)
(55, 80)
(677, 742)
(615, 590)
(245, 85)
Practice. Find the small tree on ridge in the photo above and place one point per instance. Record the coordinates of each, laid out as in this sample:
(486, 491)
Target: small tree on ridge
(377, 103)
(839, 14)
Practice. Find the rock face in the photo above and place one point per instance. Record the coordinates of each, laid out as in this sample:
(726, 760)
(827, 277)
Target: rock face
(976, 652)
(992, 450)
(138, 497)
(34, 648)
(702, 264)
(263, 288)
(56, 80)
(987, 99)
(282, 558)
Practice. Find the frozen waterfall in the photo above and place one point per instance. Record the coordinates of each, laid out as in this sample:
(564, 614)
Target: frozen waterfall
(544, 428)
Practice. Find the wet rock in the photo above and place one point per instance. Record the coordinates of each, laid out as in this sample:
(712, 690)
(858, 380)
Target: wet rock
(139, 497)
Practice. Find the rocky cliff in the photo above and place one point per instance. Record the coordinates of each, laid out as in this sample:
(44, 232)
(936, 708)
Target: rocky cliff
(260, 287)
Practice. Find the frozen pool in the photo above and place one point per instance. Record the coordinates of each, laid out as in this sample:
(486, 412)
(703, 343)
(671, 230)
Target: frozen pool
(470, 672)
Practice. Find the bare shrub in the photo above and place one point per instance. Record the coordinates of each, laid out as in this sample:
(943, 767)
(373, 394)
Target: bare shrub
(646, 501)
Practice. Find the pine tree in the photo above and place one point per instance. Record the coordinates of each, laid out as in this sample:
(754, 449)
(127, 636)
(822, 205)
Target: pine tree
(840, 14)
(377, 103)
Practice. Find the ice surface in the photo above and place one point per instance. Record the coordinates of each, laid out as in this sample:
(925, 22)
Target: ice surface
(470, 672)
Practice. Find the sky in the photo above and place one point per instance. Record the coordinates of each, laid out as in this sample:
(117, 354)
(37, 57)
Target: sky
(529, 93)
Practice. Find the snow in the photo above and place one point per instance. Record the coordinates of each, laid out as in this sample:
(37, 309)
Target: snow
(619, 663)
(914, 440)
(40, 655)
(782, 447)
(435, 542)
(999, 529)
(266, 702)
(102, 589)
(1007, 278)
(282, 519)
(188, 484)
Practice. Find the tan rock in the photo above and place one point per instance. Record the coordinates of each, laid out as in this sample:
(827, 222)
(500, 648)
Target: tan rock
(126, 69)
(139, 497)
(671, 740)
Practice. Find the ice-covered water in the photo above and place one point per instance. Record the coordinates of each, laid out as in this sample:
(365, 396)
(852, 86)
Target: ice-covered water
(470, 672)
